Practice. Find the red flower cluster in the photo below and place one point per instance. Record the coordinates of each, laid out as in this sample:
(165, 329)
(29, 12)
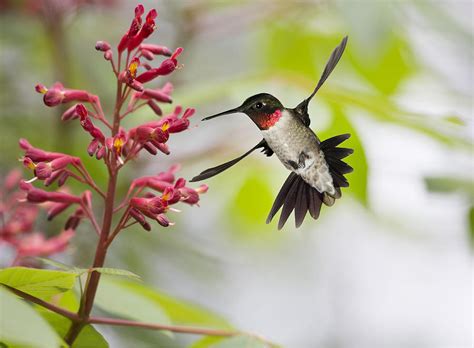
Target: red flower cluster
(18, 228)
(154, 206)
(149, 197)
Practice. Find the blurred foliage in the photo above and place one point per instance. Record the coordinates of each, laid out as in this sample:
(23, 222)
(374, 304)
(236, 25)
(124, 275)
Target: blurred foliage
(288, 45)
(39, 333)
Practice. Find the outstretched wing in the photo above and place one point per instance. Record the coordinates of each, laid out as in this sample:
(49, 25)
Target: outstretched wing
(302, 108)
(208, 173)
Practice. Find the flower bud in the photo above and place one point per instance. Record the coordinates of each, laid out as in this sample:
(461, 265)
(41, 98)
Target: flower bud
(155, 107)
(151, 149)
(102, 46)
(93, 146)
(56, 209)
(140, 219)
(163, 220)
(147, 54)
(157, 95)
(43, 170)
(40, 88)
(69, 114)
(108, 55)
(62, 178)
(101, 153)
(155, 49)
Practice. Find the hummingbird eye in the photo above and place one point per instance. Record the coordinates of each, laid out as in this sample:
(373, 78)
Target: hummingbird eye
(259, 105)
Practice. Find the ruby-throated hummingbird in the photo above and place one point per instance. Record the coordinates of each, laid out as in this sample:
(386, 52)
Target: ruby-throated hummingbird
(317, 172)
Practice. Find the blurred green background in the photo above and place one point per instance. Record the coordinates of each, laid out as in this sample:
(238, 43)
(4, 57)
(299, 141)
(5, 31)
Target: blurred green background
(388, 265)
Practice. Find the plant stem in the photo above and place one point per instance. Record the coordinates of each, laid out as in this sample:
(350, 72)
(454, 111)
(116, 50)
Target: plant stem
(172, 328)
(87, 300)
(101, 252)
(75, 318)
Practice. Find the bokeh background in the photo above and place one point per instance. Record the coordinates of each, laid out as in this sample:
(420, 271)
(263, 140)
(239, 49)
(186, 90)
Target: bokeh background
(388, 266)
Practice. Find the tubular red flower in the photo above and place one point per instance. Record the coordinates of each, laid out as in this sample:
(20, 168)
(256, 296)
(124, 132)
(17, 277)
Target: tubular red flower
(57, 94)
(157, 95)
(37, 245)
(149, 207)
(145, 31)
(38, 155)
(70, 114)
(35, 195)
(155, 107)
(135, 214)
(133, 30)
(56, 209)
(44, 170)
(163, 220)
(147, 54)
(75, 219)
(166, 67)
(156, 49)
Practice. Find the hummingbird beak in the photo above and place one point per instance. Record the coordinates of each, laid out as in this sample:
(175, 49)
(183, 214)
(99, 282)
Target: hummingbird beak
(231, 111)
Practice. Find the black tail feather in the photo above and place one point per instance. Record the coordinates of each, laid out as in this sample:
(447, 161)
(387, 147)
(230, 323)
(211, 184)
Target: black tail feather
(280, 199)
(334, 141)
(315, 202)
(334, 155)
(339, 165)
(302, 203)
(297, 195)
(339, 152)
(290, 202)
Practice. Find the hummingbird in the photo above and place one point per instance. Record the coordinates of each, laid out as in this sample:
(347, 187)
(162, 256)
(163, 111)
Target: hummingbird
(317, 169)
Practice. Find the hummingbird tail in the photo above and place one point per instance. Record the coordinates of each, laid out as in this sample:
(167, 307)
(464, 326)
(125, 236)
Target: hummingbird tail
(333, 156)
(296, 194)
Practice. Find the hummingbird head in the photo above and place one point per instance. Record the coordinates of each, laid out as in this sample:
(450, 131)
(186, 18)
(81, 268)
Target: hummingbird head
(263, 109)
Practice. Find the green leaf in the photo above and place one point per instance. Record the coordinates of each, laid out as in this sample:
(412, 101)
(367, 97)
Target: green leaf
(63, 266)
(88, 337)
(123, 301)
(56, 264)
(117, 272)
(139, 302)
(37, 282)
(450, 184)
(239, 342)
(179, 311)
(359, 177)
(21, 326)
(206, 341)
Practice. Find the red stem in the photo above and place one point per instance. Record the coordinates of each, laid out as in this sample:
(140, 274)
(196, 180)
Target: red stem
(65, 313)
(173, 328)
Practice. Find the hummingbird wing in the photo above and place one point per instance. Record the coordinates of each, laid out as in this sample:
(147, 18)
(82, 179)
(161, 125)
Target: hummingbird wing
(302, 108)
(208, 173)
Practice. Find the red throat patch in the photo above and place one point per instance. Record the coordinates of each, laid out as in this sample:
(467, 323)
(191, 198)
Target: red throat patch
(267, 121)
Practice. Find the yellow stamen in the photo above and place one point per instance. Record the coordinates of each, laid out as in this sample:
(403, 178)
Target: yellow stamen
(132, 68)
(165, 126)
